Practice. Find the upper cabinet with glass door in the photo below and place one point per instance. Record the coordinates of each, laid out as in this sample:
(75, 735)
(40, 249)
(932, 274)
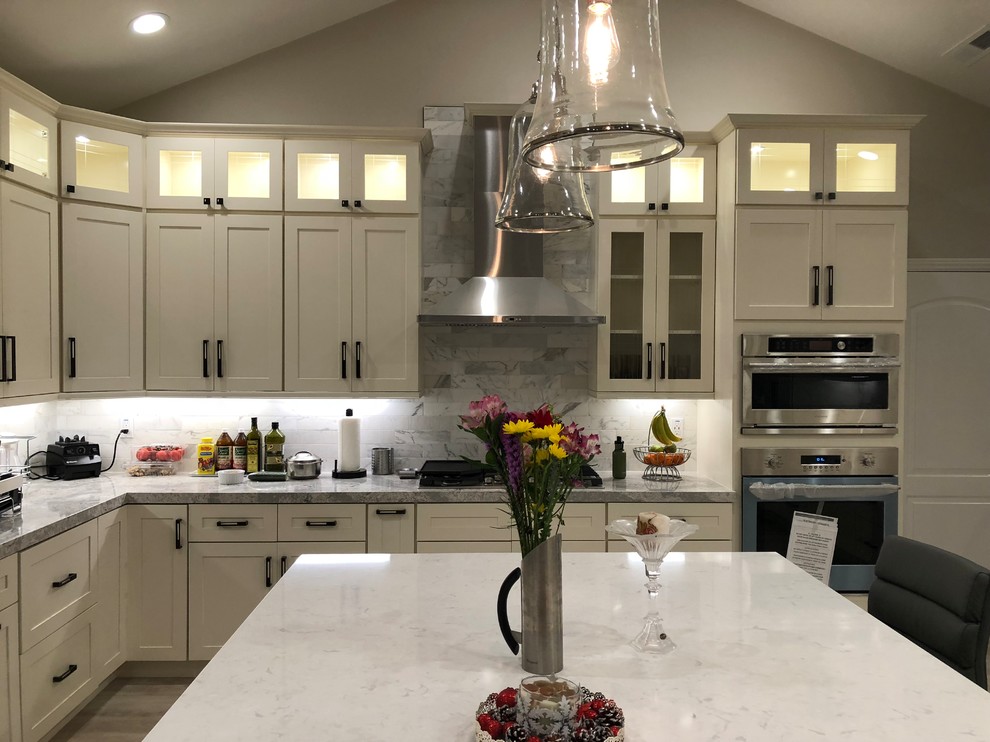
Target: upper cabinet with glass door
(357, 177)
(806, 166)
(102, 165)
(684, 185)
(207, 173)
(28, 143)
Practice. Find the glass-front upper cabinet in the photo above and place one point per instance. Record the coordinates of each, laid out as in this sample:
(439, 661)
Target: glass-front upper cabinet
(656, 288)
(28, 144)
(206, 173)
(823, 166)
(361, 176)
(102, 165)
(683, 185)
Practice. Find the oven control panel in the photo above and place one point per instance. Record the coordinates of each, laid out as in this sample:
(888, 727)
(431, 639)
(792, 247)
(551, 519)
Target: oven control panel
(785, 462)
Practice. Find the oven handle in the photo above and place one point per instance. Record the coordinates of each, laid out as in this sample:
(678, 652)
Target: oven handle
(839, 364)
(797, 491)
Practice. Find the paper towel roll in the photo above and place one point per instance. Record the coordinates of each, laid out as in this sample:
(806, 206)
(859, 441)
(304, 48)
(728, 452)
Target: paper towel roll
(349, 444)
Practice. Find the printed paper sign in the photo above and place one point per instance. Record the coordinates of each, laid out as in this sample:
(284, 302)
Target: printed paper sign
(812, 543)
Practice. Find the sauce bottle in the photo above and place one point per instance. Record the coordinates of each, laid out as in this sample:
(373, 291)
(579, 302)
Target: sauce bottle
(225, 451)
(206, 457)
(240, 451)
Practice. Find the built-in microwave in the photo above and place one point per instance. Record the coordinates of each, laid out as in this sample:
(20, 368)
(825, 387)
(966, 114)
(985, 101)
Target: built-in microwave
(820, 383)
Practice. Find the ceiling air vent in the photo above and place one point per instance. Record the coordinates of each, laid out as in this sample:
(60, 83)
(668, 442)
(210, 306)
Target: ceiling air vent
(971, 49)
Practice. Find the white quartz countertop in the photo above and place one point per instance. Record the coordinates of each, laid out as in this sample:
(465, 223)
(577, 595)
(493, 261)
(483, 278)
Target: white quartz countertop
(378, 648)
(51, 507)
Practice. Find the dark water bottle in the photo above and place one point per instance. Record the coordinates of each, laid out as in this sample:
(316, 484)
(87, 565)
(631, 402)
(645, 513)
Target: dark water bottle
(619, 459)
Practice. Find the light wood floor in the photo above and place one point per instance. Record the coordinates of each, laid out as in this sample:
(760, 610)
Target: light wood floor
(124, 711)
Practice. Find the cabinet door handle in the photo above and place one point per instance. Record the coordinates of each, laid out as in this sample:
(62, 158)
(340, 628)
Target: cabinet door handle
(178, 533)
(343, 360)
(831, 195)
(818, 195)
(70, 189)
(284, 567)
(664, 207)
(13, 358)
(3, 163)
(72, 358)
(651, 206)
(219, 200)
(9, 167)
(64, 675)
(3, 358)
(321, 523)
(357, 204)
(206, 201)
(268, 571)
(649, 360)
(206, 359)
(219, 359)
(816, 274)
(232, 523)
(663, 361)
(829, 276)
(66, 580)
(398, 511)
(344, 203)
(357, 360)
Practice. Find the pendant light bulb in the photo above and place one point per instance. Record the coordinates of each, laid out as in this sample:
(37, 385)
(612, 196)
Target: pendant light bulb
(601, 42)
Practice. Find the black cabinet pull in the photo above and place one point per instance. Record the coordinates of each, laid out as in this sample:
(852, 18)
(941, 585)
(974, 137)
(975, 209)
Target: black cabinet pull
(9, 167)
(818, 195)
(398, 511)
(219, 359)
(343, 360)
(816, 273)
(3, 358)
(178, 533)
(831, 195)
(663, 361)
(63, 582)
(268, 571)
(206, 201)
(651, 206)
(664, 207)
(284, 567)
(357, 360)
(649, 360)
(321, 523)
(64, 675)
(829, 275)
(344, 203)
(357, 204)
(206, 359)
(232, 523)
(13, 358)
(70, 189)
(3, 164)
(72, 358)
(219, 200)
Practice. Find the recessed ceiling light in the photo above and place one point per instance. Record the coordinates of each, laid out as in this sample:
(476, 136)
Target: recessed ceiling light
(149, 23)
(867, 155)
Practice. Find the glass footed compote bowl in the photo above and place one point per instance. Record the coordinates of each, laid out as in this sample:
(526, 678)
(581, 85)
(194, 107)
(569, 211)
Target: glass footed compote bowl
(652, 549)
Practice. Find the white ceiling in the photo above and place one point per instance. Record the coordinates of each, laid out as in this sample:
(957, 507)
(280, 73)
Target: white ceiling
(88, 57)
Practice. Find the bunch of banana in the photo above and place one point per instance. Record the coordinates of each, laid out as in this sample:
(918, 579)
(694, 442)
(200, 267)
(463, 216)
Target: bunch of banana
(660, 429)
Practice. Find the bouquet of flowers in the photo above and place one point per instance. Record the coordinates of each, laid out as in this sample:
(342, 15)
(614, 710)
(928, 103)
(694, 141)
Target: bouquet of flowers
(538, 459)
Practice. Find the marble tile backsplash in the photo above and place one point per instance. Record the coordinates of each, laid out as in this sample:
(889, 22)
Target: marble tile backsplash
(525, 365)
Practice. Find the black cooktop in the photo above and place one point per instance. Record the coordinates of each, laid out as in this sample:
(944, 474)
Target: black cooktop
(454, 473)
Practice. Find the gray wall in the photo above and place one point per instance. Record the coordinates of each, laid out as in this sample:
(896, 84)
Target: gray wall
(383, 67)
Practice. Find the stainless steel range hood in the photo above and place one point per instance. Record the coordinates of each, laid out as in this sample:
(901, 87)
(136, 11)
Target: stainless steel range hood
(508, 285)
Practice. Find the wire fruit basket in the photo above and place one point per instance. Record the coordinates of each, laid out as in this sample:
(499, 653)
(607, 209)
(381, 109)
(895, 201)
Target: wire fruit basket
(659, 464)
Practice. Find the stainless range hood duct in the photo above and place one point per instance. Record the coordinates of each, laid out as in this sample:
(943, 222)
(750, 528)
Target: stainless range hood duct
(508, 285)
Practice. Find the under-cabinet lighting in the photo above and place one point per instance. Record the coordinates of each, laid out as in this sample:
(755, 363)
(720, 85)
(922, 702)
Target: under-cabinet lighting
(149, 23)
(867, 155)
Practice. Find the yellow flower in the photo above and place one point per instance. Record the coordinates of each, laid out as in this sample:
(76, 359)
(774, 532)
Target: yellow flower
(541, 455)
(547, 431)
(557, 451)
(519, 426)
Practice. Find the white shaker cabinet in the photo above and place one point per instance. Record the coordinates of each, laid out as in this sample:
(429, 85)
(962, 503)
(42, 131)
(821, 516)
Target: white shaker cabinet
(29, 292)
(110, 622)
(352, 296)
(214, 287)
(28, 143)
(10, 676)
(102, 165)
(102, 299)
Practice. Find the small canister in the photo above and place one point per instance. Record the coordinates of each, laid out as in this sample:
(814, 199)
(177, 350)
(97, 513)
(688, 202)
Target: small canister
(381, 461)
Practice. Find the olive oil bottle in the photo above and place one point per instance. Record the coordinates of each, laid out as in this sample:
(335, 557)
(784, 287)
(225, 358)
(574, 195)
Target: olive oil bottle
(254, 450)
(274, 449)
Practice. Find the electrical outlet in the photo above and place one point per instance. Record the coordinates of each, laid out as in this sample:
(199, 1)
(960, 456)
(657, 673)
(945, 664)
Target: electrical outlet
(125, 424)
(676, 426)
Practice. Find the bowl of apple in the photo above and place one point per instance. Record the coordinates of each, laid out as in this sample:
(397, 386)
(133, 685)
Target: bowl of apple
(160, 459)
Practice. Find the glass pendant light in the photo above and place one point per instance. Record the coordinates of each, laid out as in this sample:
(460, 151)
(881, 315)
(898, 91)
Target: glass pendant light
(537, 199)
(603, 100)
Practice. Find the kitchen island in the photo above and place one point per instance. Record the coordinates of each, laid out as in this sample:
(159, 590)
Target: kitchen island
(405, 647)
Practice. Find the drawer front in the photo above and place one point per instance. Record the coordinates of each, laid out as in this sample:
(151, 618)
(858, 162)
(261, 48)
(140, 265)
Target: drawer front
(714, 519)
(289, 552)
(679, 546)
(57, 582)
(581, 522)
(8, 581)
(326, 522)
(462, 522)
(56, 675)
(232, 522)
(463, 547)
(392, 529)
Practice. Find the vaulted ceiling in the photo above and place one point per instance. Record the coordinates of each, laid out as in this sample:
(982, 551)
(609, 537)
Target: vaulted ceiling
(83, 53)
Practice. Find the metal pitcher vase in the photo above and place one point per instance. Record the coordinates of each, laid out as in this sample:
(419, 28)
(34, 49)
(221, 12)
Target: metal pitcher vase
(542, 636)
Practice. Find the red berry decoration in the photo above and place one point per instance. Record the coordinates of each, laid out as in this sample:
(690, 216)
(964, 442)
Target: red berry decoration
(483, 719)
(506, 697)
(598, 704)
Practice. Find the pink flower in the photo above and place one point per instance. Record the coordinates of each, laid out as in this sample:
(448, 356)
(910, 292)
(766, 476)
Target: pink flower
(487, 407)
(585, 446)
